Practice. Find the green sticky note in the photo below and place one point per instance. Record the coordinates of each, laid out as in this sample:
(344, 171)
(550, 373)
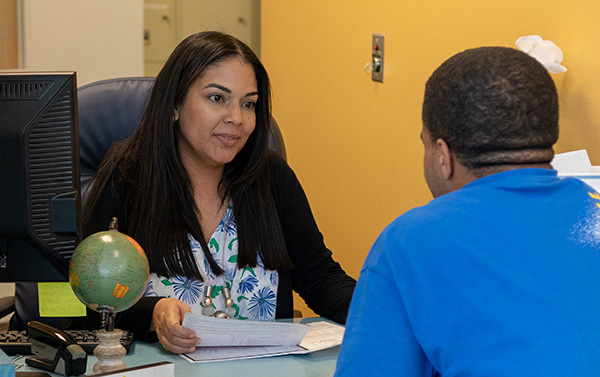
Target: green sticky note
(58, 300)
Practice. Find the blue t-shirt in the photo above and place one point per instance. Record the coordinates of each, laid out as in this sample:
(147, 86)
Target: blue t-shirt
(499, 278)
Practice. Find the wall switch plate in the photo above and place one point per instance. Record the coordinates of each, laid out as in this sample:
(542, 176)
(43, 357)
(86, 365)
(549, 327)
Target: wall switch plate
(377, 54)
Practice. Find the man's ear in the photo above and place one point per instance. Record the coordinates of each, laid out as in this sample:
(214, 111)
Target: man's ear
(446, 158)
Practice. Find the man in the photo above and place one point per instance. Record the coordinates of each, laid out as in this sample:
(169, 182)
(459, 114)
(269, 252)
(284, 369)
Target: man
(499, 275)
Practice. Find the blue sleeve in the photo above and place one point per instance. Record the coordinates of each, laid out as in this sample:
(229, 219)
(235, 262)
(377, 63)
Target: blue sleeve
(379, 339)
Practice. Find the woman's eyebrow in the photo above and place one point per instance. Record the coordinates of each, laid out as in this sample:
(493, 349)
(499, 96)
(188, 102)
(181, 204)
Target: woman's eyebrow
(227, 90)
(213, 85)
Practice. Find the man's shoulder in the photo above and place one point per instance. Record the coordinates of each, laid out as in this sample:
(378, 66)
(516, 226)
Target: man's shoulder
(417, 221)
(435, 209)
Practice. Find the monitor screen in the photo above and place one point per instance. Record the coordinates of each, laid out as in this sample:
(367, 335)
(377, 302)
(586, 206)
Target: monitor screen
(39, 175)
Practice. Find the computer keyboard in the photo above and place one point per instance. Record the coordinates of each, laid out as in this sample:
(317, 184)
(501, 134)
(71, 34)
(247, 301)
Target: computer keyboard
(16, 342)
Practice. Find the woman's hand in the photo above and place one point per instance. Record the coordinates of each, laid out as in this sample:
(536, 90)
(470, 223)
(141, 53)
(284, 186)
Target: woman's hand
(166, 320)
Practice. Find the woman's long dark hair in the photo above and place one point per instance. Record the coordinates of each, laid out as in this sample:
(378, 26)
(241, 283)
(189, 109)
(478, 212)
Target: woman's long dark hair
(162, 210)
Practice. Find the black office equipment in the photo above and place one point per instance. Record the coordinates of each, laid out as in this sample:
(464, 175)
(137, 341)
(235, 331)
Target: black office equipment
(55, 351)
(39, 175)
(16, 342)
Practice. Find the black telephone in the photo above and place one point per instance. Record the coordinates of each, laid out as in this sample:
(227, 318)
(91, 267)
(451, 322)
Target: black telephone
(55, 350)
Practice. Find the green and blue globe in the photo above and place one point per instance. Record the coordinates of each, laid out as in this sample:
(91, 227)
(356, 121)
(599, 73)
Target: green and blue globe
(109, 271)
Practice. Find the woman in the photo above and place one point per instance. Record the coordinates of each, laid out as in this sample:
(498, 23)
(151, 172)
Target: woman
(224, 221)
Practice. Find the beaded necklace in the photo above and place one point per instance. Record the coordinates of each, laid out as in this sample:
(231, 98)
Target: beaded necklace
(207, 303)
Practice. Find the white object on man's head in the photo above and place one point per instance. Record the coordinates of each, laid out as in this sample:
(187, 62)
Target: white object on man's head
(544, 51)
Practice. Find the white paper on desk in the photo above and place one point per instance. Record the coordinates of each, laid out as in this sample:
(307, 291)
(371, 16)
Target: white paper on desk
(321, 335)
(577, 164)
(575, 161)
(215, 332)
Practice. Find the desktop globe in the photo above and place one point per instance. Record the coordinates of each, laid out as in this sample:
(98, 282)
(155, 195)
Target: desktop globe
(108, 271)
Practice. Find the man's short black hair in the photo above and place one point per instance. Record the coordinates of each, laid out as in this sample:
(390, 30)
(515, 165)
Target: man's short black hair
(493, 106)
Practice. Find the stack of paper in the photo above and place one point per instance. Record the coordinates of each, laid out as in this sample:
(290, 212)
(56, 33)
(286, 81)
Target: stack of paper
(577, 164)
(230, 339)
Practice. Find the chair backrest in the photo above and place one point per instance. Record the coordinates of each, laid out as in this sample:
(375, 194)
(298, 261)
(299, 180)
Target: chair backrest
(109, 111)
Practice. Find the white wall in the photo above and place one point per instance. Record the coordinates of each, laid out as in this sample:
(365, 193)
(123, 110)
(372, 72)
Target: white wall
(97, 38)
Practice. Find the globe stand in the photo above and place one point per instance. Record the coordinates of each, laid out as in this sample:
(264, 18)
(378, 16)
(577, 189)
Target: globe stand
(109, 350)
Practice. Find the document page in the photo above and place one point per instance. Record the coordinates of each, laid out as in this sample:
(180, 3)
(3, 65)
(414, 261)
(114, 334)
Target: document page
(577, 164)
(233, 332)
(322, 335)
(319, 335)
(575, 161)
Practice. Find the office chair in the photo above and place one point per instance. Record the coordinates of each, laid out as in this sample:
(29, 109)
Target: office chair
(109, 111)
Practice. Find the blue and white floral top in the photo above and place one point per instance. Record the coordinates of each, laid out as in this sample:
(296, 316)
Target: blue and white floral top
(253, 289)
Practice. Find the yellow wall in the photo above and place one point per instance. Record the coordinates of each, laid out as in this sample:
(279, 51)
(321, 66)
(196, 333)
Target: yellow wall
(354, 143)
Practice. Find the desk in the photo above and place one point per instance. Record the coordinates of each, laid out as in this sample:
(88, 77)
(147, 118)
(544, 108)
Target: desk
(319, 363)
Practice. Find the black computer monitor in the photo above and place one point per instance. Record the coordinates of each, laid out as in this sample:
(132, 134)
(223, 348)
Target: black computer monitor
(39, 175)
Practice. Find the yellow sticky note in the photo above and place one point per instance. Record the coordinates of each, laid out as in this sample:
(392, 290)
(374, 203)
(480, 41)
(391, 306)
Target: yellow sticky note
(58, 300)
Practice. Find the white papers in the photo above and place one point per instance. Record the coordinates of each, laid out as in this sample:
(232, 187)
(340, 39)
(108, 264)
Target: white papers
(206, 354)
(322, 335)
(215, 332)
(576, 161)
(577, 164)
(316, 336)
